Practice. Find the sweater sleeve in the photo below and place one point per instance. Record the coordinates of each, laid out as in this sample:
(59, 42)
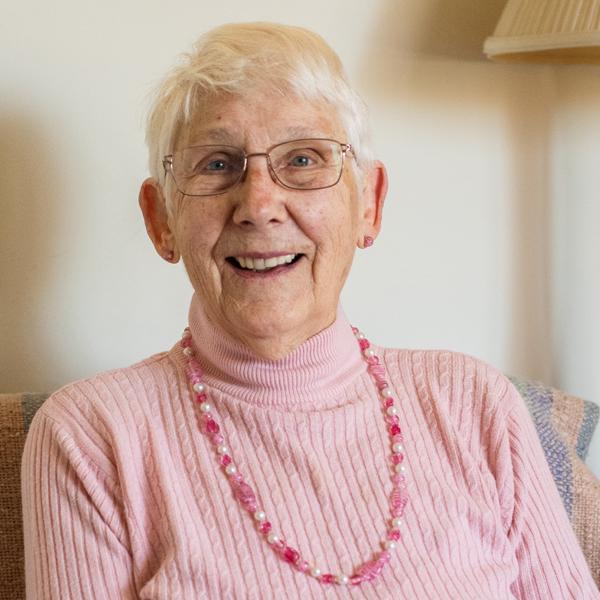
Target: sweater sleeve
(551, 563)
(76, 545)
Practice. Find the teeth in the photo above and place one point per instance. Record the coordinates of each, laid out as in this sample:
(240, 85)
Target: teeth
(262, 264)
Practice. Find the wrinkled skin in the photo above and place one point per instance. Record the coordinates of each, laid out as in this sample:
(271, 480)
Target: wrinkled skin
(272, 313)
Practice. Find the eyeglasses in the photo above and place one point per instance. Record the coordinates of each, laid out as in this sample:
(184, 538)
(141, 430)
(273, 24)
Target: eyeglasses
(310, 164)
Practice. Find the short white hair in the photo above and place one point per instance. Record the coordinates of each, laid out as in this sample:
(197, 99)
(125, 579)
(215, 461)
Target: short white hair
(238, 58)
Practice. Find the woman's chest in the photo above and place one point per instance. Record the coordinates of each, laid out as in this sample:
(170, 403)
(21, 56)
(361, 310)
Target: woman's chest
(328, 496)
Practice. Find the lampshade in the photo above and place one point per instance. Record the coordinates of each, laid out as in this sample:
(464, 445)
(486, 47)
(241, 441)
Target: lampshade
(564, 31)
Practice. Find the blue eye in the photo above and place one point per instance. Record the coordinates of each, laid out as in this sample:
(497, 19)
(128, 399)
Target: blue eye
(300, 161)
(216, 165)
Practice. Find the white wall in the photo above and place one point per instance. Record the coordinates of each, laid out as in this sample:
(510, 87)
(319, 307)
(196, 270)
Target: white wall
(491, 238)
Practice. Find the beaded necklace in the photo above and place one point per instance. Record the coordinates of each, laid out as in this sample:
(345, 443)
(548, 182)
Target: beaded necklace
(246, 497)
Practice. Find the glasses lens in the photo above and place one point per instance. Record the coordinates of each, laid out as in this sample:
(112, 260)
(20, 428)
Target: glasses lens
(307, 164)
(206, 170)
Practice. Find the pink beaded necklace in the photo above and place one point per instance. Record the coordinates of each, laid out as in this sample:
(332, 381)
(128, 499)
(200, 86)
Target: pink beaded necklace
(245, 495)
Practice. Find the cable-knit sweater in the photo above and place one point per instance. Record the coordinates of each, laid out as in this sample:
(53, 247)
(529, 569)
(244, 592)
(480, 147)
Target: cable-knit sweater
(124, 497)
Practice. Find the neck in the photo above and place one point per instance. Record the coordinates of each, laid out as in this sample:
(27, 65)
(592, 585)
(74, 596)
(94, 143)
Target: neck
(312, 372)
(276, 346)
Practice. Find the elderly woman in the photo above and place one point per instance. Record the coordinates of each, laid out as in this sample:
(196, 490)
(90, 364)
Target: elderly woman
(274, 452)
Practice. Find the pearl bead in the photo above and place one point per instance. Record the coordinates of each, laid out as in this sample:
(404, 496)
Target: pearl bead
(392, 410)
(188, 351)
(315, 572)
(360, 335)
(222, 450)
(272, 538)
(398, 448)
(342, 579)
(389, 544)
(259, 515)
(386, 392)
(205, 407)
(400, 468)
(230, 469)
(369, 352)
(396, 522)
(199, 387)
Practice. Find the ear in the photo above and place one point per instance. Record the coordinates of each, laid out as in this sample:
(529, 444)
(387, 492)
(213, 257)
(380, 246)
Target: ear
(374, 192)
(156, 218)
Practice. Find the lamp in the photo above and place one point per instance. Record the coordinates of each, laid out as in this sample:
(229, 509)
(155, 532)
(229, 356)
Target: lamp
(560, 31)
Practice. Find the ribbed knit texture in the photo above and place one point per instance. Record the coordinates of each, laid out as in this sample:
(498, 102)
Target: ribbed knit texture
(123, 496)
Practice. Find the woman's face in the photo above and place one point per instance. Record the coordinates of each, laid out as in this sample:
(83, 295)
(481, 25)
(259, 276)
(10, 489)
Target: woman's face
(271, 310)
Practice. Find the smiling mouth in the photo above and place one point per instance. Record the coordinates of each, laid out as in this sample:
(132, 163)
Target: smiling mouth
(256, 265)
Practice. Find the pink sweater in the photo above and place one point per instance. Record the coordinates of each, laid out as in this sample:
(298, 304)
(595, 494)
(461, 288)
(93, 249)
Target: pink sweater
(123, 496)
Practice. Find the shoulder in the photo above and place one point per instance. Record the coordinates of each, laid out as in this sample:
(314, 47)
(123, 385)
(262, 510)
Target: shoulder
(461, 386)
(445, 369)
(108, 396)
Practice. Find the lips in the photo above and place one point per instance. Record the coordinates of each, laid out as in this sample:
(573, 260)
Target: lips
(262, 264)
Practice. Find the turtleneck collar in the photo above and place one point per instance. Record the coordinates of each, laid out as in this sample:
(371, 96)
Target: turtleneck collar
(314, 375)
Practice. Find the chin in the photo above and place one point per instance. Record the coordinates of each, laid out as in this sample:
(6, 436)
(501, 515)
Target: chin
(272, 331)
(270, 321)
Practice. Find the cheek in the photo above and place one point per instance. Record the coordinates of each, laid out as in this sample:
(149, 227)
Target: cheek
(198, 233)
(334, 228)
(333, 232)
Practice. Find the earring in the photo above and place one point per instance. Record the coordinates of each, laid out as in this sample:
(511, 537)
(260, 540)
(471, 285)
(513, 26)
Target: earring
(169, 255)
(368, 241)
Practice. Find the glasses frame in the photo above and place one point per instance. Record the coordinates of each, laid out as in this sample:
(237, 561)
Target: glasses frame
(345, 148)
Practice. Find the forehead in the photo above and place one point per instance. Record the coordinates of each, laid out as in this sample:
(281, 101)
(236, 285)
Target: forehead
(260, 119)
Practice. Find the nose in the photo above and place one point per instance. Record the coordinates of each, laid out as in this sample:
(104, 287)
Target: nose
(259, 199)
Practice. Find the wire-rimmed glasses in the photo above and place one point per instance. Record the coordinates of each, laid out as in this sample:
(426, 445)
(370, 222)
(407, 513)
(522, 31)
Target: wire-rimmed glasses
(210, 170)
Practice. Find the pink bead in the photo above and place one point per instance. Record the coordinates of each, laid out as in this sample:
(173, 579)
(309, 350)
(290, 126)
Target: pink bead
(245, 495)
(364, 344)
(398, 439)
(194, 372)
(398, 479)
(226, 460)
(291, 555)
(377, 371)
(394, 534)
(395, 429)
(396, 497)
(393, 420)
(356, 580)
(201, 397)
(237, 477)
(389, 402)
(373, 360)
(212, 426)
(382, 384)
(327, 578)
(397, 458)
(265, 527)
(302, 566)
(399, 505)
(370, 569)
(217, 439)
